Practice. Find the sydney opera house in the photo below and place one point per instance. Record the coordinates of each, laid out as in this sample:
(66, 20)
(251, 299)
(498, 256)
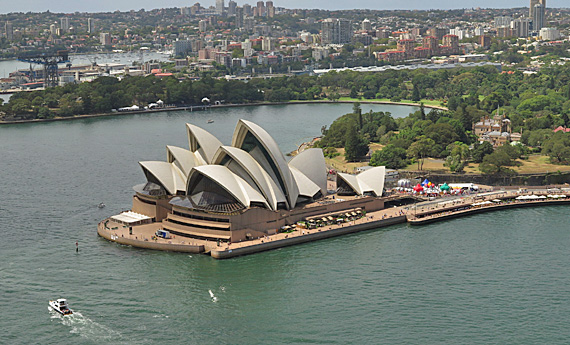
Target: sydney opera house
(212, 193)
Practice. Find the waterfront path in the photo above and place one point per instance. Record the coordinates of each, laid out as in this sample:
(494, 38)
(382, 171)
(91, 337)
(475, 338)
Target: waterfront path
(415, 214)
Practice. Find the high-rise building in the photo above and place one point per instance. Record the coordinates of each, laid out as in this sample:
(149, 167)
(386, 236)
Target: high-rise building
(65, 24)
(485, 41)
(538, 19)
(531, 8)
(247, 11)
(248, 23)
(431, 43)
(232, 6)
(9, 30)
(181, 48)
(336, 31)
(406, 46)
(239, 17)
(451, 41)
(202, 25)
(260, 9)
(185, 11)
(247, 48)
(267, 44)
(53, 30)
(105, 38)
(534, 3)
(502, 21)
(195, 9)
(269, 9)
(366, 25)
(90, 25)
(220, 7)
(521, 27)
(437, 32)
(549, 34)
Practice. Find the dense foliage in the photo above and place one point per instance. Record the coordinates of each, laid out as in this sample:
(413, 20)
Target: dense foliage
(535, 104)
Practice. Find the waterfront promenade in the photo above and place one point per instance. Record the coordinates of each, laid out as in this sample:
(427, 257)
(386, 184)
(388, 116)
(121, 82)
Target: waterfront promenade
(439, 209)
(144, 236)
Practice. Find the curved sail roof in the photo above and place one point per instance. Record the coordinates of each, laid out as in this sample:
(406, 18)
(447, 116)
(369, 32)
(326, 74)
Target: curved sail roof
(253, 171)
(374, 178)
(311, 163)
(184, 159)
(165, 174)
(202, 142)
(250, 166)
(358, 186)
(307, 188)
(370, 181)
(230, 182)
(256, 141)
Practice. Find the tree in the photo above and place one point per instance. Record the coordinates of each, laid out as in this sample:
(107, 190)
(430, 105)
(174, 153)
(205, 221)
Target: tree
(496, 163)
(20, 106)
(391, 156)
(355, 146)
(416, 94)
(480, 150)
(420, 149)
(44, 113)
(358, 112)
(458, 155)
(558, 148)
(353, 92)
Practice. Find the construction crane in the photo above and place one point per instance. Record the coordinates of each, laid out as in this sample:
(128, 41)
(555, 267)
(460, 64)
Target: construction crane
(49, 60)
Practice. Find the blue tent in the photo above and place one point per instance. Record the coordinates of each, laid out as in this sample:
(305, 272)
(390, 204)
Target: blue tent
(425, 183)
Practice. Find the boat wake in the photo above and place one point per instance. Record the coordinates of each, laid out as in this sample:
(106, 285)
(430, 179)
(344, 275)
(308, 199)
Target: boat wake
(87, 328)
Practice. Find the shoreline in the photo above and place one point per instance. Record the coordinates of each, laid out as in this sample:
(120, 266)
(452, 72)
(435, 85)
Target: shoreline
(430, 212)
(203, 108)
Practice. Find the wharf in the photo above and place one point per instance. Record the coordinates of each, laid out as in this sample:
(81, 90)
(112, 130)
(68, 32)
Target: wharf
(476, 204)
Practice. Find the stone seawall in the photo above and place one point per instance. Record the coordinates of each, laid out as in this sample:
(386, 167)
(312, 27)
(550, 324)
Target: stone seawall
(317, 235)
(184, 248)
(463, 213)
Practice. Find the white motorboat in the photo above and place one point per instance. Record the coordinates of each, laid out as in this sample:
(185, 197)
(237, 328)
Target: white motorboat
(61, 306)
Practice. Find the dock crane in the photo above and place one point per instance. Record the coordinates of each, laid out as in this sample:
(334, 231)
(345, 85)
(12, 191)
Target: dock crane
(49, 60)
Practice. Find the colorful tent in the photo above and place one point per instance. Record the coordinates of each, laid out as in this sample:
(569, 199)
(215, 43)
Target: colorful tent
(418, 188)
(445, 187)
(425, 183)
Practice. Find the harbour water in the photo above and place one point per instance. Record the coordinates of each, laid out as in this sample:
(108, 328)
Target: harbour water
(500, 278)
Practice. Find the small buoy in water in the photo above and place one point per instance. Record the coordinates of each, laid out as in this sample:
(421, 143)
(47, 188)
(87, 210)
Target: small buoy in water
(76, 246)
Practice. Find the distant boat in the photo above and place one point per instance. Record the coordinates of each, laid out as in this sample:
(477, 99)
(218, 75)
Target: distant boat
(101, 205)
(210, 121)
(61, 306)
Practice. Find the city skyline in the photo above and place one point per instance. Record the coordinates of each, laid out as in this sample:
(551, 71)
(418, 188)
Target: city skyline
(69, 6)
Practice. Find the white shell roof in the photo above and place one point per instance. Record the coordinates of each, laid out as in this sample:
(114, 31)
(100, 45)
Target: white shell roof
(167, 174)
(243, 126)
(374, 178)
(185, 158)
(202, 142)
(311, 163)
(264, 182)
(306, 187)
(231, 182)
(357, 185)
